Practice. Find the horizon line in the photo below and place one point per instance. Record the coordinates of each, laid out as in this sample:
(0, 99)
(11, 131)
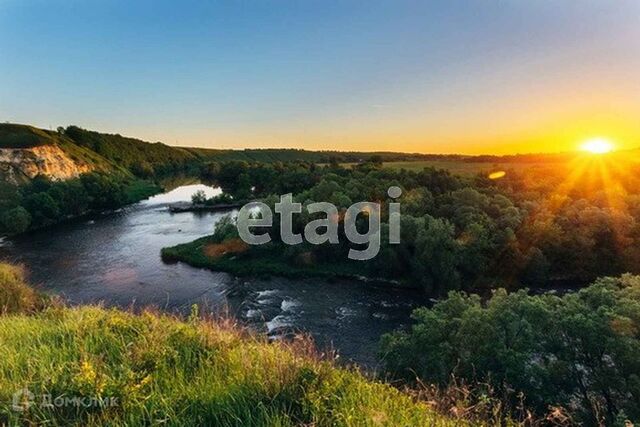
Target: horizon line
(416, 153)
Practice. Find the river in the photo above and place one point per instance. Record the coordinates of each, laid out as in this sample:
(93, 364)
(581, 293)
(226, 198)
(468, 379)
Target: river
(114, 259)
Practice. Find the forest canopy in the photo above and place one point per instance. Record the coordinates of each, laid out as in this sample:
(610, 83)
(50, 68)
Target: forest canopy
(528, 228)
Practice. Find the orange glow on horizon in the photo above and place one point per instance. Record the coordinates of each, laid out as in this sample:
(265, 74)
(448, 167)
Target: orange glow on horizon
(513, 132)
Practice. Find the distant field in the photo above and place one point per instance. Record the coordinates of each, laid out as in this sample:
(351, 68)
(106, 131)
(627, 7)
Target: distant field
(458, 167)
(467, 168)
(455, 167)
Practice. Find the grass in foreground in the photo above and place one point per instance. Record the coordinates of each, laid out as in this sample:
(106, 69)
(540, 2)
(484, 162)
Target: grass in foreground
(161, 370)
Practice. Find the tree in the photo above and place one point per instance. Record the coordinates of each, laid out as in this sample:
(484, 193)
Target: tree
(105, 192)
(579, 351)
(16, 220)
(9, 195)
(243, 189)
(199, 198)
(436, 257)
(143, 169)
(44, 210)
(225, 229)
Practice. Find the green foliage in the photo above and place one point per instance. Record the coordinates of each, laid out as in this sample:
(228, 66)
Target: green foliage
(9, 195)
(221, 199)
(141, 158)
(43, 208)
(163, 370)
(15, 220)
(451, 231)
(460, 233)
(263, 261)
(225, 230)
(578, 351)
(279, 155)
(199, 198)
(15, 295)
(137, 190)
(42, 202)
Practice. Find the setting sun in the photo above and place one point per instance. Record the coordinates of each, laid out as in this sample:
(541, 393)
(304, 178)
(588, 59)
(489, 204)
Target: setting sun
(597, 146)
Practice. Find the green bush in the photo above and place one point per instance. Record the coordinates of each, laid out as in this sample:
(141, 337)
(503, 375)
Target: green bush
(15, 220)
(579, 351)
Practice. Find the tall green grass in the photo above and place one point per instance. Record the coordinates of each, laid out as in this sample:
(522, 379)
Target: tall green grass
(164, 371)
(15, 295)
(160, 370)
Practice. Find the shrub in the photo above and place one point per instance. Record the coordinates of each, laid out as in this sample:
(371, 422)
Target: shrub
(579, 351)
(15, 220)
(199, 198)
(15, 295)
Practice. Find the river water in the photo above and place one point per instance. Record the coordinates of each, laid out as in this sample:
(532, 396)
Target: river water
(114, 259)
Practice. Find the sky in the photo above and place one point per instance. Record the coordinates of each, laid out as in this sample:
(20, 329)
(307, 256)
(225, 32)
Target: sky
(475, 76)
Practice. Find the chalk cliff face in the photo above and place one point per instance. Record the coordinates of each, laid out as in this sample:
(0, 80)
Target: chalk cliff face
(20, 164)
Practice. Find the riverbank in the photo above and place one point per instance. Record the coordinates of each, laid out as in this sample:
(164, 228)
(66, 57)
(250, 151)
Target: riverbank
(44, 205)
(140, 369)
(261, 261)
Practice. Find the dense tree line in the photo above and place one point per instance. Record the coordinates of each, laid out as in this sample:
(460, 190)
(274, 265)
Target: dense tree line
(461, 233)
(156, 159)
(141, 158)
(43, 202)
(275, 155)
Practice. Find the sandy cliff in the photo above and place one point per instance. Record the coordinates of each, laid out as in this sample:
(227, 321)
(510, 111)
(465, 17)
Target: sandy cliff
(19, 164)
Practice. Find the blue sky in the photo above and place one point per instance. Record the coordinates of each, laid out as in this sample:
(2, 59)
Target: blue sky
(433, 76)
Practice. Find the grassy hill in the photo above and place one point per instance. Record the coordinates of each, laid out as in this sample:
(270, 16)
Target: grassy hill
(133, 154)
(24, 137)
(103, 152)
(156, 369)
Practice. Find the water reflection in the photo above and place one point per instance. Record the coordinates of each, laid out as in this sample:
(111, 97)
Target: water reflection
(181, 194)
(115, 258)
